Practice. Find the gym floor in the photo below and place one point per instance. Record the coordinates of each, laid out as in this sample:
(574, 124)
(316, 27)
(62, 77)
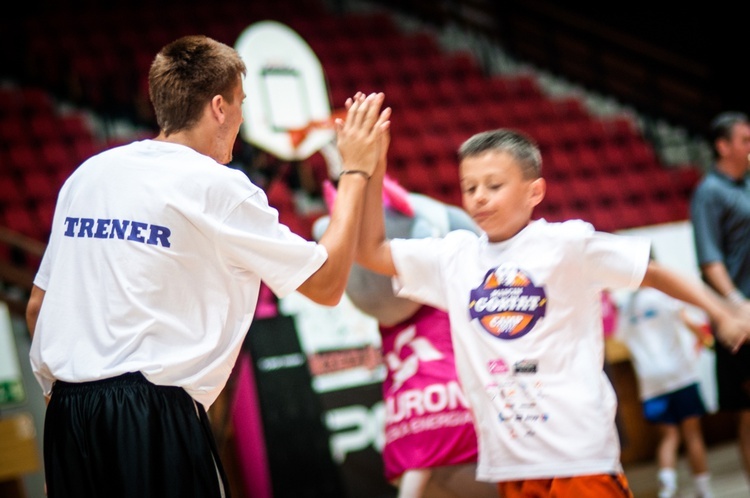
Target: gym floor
(727, 478)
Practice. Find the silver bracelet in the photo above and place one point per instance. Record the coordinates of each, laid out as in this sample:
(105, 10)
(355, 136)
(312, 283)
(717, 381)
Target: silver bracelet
(736, 297)
(354, 172)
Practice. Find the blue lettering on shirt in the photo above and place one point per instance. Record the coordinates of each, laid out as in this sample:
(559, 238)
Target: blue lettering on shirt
(159, 234)
(136, 231)
(101, 228)
(119, 227)
(86, 225)
(70, 226)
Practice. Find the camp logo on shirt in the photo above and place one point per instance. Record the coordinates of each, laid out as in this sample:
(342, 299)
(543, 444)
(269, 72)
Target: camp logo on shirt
(507, 304)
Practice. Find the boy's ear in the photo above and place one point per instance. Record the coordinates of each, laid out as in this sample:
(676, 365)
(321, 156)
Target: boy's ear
(538, 189)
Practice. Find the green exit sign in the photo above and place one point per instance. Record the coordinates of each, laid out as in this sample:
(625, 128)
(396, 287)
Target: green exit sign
(11, 387)
(11, 391)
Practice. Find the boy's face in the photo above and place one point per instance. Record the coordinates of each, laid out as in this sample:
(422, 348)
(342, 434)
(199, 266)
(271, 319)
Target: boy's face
(497, 196)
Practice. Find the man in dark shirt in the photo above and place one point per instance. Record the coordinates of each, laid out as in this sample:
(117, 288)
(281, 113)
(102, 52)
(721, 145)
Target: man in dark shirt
(720, 213)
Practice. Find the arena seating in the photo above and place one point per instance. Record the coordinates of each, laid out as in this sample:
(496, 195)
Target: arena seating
(601, 170)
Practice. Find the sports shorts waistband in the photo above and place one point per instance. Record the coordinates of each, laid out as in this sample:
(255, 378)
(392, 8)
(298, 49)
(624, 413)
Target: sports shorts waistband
(125, 379)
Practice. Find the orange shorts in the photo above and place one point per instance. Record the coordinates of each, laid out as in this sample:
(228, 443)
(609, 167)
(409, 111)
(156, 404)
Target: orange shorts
(590, 486)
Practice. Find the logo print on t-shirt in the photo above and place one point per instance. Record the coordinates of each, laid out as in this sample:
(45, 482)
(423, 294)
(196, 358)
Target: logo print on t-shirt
(507, 304)
(418, 349)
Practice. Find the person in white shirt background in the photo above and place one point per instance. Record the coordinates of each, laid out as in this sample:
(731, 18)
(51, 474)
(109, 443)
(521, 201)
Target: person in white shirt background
(664, 337)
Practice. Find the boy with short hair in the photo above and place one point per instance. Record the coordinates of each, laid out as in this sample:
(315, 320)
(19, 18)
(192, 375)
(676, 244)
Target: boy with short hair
(524, 304)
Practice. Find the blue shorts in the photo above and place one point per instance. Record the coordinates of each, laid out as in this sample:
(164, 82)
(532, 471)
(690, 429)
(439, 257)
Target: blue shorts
(674, 407)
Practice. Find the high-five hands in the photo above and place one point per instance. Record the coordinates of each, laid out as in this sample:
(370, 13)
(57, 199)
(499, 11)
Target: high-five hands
(360, 138)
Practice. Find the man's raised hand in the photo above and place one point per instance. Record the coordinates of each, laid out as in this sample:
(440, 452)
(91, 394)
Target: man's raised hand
(360, 135)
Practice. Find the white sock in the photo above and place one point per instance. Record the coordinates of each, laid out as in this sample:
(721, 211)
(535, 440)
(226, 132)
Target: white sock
(667, 482)
(702, 483)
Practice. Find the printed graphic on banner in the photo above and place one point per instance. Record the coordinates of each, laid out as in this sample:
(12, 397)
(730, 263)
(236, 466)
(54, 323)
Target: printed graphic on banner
(341, 343)
(343, 352)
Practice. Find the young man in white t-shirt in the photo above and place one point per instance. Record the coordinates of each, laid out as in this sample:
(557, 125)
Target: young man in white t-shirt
(524, 306)
(151, 278)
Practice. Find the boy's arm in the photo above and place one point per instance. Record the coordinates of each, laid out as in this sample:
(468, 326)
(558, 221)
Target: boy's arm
(730, 329)
(374, 249)
(359, 141)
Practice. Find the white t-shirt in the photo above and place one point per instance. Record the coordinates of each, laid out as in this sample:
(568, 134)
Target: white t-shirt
(527, 330)
(661, 347)
(154, 264)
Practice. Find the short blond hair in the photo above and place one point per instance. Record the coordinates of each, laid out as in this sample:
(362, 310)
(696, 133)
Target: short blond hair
(186, 74)
(520, 146)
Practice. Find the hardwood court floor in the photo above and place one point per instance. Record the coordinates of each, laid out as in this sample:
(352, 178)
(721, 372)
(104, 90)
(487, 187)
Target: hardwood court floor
(727, 477)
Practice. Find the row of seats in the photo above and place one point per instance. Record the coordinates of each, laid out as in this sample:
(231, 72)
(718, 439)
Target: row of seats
(607, 190)
(567, 150)
(601, 170)
(27, 101)
(95, 58)
(40, 146)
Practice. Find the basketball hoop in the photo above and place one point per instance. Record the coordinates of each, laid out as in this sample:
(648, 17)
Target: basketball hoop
(298, 135)
(287, 112)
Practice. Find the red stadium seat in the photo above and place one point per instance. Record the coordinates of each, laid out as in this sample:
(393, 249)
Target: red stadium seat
(23, 157)
(621, 129)
(614, 157)
(10, 104)
(10, 190)
(74, 126)
(12, 131)
(21, 219)
(587, 162)
(687, 178)
(571, 109)
(39, 186)
(43, 212)
(641, 155)
(44, 127)
(36, 101)
(55, 156)
(446, 174)
(558, 164)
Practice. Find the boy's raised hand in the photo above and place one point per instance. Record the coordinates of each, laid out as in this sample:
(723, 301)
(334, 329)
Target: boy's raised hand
(360, 136)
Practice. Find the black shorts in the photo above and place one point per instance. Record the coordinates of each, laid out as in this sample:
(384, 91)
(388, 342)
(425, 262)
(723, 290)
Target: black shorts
(733, 378)
(674, 407)
(126, 437)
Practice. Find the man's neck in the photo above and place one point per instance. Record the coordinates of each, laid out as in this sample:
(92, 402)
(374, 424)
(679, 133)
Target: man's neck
(733, 171)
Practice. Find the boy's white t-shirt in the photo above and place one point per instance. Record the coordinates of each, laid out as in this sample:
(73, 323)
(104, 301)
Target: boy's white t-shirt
(662, 348)
(154, 264)
(527, 330)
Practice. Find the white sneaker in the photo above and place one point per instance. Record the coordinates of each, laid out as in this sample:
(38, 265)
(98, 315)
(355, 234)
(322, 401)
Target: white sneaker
(667, 493)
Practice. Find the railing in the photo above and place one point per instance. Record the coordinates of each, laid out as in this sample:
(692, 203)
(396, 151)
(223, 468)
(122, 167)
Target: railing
(16, 280)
